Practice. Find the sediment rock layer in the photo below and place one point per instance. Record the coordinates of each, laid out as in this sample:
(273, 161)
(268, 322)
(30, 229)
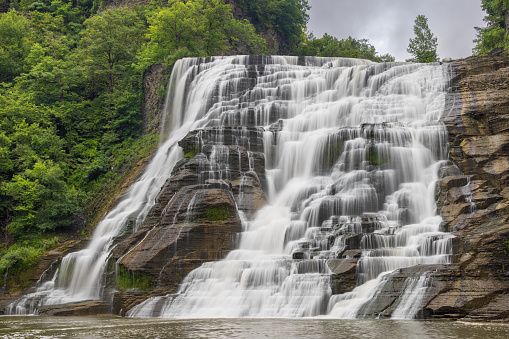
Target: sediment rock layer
(195, 218)
(474, 199)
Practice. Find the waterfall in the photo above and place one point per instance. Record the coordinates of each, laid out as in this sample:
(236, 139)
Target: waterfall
(352, 149)
(81, 273)
(352, 155)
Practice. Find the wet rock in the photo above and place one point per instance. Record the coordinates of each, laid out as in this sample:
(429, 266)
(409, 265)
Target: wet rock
(343, 274)
(475, 205)
(76, 309)
(195, 217)
(196, 225)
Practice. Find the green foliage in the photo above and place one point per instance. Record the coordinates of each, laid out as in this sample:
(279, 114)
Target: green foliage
(494, 35)
(217, 213)
(195, 28)
(109, 44)
(132, 280)
(14, 44)
(423, 46)
(329, 46)
(287, 17)
(41, 200)
(21, 258)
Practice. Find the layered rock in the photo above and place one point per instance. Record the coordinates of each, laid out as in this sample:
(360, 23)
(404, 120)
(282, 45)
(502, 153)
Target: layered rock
(195, 218)
(154, 80)
(473, 197)
(76, 309)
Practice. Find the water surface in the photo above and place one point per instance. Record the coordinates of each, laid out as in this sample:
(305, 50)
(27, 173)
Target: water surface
(116, 327)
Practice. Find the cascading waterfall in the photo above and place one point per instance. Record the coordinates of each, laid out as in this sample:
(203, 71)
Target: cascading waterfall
(351, 147)
(345, 141)
(81, 273)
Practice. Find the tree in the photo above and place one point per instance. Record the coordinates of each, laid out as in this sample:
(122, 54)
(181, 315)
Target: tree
(109, 44)
(329, 46)
(287, 17)
(14, 44)
(494, 35)
(196, 28)
(424, 46)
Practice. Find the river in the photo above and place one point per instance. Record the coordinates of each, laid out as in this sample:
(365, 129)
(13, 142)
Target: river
(22, 327)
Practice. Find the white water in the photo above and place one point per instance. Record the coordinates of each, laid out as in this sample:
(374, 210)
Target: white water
(357, 138)
(81, 274)
(412, 297)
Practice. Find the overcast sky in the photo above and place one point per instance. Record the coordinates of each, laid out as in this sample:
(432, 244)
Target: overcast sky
(388, 24)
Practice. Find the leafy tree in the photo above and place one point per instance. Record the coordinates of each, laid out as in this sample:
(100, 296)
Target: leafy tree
(196, 28)
(287, 17)
(109, 44)
(329, 46)
(494, 35)
(424, 46)
(42, 200)
(14, 44)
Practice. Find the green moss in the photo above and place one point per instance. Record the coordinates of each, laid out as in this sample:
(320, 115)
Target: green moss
(377, 159)
(133, 280)
(217, 213)
(335, 151)
(475, 118)
(191, 151)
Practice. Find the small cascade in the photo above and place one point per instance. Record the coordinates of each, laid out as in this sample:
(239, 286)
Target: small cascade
(413, 295)
(468, 196)
(351, 150)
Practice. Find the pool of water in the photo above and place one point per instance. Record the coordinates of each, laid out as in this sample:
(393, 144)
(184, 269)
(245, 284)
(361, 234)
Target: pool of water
(116, 327)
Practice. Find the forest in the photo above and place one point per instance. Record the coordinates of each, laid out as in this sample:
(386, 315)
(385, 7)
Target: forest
(71, 95)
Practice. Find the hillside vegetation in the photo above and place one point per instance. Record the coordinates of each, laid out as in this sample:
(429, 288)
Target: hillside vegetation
(71, 96)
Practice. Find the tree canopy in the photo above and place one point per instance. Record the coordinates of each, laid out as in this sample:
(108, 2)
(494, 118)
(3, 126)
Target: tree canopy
(494, 35)
(329, 46)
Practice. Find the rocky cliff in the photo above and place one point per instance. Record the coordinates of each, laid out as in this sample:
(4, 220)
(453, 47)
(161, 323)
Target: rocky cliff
(474, 201)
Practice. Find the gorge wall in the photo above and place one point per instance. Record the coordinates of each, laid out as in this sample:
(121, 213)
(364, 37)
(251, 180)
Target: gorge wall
(476, 286)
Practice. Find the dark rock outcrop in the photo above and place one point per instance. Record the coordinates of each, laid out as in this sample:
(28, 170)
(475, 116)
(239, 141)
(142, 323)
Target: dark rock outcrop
(154, 84)
(77, 309)
(195, 218)
(473, 198)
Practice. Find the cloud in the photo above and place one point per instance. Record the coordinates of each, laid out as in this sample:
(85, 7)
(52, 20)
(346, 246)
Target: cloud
(388, 24)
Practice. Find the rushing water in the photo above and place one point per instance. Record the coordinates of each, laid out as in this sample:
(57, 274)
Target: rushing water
(111, 327)
(345, 141)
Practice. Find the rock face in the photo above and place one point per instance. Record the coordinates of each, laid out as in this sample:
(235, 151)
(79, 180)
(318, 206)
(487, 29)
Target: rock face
(195, 218)
(473, 195)
(78, 309)
(154, 80)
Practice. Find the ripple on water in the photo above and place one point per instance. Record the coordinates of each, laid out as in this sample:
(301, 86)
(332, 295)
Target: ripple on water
(115, 327)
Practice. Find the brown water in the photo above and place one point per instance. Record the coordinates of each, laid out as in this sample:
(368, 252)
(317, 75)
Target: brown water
(116, 327)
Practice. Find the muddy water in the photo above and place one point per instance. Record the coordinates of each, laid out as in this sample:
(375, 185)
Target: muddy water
(116, 327)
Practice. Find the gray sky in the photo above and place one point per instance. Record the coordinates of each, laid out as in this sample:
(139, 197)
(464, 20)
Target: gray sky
(388, 24)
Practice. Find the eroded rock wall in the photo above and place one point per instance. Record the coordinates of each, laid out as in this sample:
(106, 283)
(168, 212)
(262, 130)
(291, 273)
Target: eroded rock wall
(473, 196)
